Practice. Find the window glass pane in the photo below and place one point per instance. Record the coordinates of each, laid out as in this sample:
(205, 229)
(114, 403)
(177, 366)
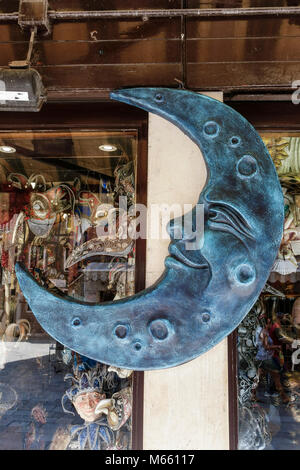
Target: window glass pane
(269, 337)
(59, 203)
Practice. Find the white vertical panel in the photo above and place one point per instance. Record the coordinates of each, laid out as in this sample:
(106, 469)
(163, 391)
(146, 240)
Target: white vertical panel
(185, 407)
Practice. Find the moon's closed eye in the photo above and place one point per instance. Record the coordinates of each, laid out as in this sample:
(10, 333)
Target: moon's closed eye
(228, 219)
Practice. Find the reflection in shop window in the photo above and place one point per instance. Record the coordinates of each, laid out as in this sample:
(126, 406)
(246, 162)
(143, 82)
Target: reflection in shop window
(58, 192)
(269, 337)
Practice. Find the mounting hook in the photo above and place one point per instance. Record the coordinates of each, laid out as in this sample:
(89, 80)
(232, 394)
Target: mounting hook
(23, 64)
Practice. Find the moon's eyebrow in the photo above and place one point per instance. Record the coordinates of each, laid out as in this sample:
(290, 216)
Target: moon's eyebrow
(240, 223)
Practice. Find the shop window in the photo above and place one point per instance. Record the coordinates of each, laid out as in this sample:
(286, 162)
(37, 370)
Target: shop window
(60, 190)
(268, 339)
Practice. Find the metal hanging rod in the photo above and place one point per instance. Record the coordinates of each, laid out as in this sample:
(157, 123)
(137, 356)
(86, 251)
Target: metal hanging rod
(54, 15)
(188, 12)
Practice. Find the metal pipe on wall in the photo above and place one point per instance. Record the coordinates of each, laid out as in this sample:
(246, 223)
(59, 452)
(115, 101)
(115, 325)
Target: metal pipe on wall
(164, 13)
(55, 15)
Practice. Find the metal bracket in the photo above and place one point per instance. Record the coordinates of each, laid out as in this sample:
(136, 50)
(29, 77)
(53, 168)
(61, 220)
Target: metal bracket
(21, 87)
(24, 64)
(34, 13)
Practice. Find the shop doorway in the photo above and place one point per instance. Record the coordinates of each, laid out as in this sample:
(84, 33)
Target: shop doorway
(264, 350)
(62, 173)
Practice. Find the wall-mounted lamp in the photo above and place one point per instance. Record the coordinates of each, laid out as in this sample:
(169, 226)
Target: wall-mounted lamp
(21, 87)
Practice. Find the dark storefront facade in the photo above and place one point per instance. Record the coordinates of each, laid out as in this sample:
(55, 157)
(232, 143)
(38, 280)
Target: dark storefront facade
(64, 167)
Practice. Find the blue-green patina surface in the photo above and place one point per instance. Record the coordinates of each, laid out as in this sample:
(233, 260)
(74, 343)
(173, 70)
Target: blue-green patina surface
(203, 294)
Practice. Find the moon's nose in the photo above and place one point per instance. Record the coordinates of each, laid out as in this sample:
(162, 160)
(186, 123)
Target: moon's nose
(184, 227)
(175, 228)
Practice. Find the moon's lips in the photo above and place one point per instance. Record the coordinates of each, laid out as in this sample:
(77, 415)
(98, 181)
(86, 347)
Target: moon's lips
(203, 293)
(198, 263)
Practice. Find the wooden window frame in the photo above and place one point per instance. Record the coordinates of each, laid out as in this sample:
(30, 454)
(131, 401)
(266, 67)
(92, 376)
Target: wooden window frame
(103, 115)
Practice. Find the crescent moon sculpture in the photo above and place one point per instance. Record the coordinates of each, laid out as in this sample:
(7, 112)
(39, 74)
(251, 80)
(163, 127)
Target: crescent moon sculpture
(203, 294)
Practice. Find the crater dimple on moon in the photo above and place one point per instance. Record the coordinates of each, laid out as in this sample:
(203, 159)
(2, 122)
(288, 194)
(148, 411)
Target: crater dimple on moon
(211, 129)
(235, 141)
(76, 322)
(205, 317)
(137, 346)
(160, 328)
(247, 166)
(244, 274)
(121, 331)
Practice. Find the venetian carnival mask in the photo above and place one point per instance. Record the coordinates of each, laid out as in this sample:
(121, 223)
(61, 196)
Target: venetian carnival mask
(44, 208)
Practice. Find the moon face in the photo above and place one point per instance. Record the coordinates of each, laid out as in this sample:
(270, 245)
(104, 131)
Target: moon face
(203, 293)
